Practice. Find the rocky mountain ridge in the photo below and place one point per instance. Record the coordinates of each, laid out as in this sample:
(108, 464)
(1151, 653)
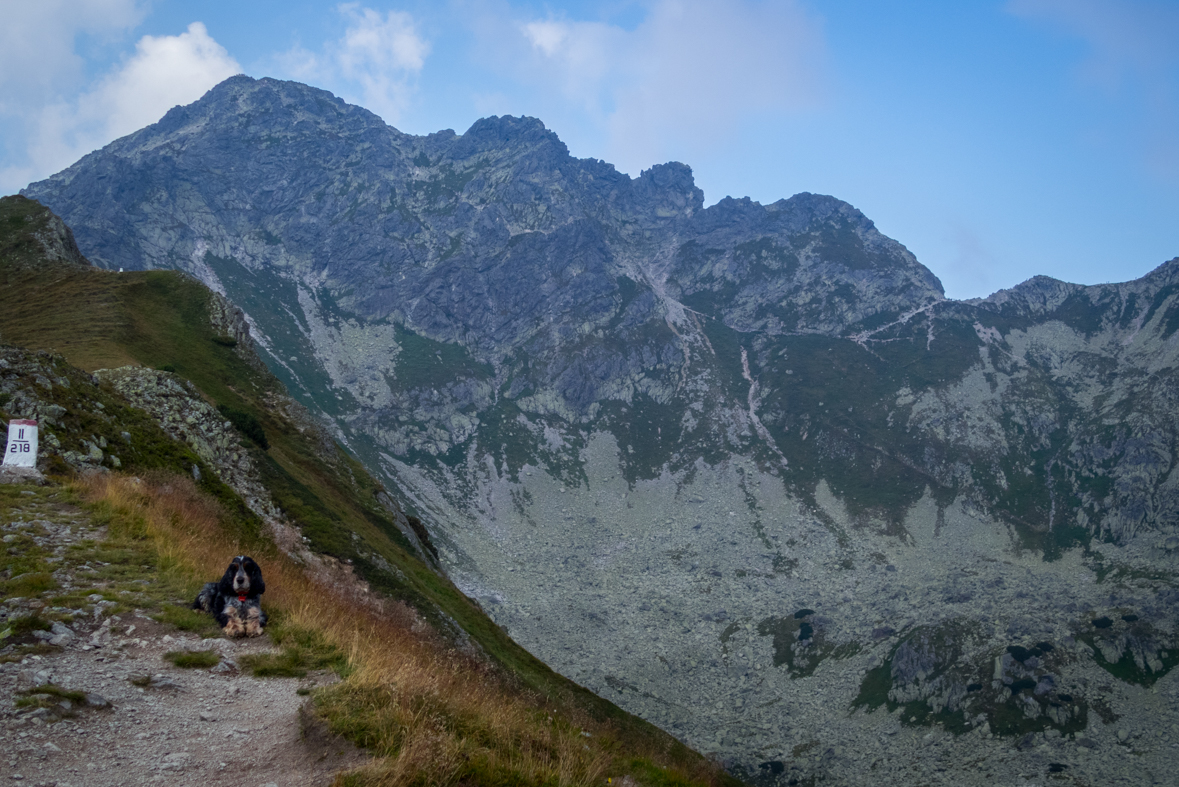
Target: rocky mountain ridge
(626, 417)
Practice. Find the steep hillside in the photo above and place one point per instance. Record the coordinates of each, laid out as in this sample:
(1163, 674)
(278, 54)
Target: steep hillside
(194, 400)
(742, 469)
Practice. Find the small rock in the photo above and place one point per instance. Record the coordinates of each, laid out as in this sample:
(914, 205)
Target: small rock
(208, 717)
(162, 682)
(1123, 735)
(102, 635)
(97, 701)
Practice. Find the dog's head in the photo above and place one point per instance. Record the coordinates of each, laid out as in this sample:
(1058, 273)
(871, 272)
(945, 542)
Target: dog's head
(243, 578)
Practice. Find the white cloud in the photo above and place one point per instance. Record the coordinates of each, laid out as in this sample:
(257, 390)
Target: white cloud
(683, 79)
(375, 63)
(547, 36)
(163, 72)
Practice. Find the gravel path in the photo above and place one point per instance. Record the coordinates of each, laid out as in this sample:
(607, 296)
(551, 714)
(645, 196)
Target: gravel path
(143, 720)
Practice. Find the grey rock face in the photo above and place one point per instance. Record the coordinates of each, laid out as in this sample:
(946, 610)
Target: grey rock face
(648, 435)
(177, 406)
(36, 239)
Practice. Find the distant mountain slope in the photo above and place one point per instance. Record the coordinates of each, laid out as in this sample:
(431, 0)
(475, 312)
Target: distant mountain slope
(648, 434)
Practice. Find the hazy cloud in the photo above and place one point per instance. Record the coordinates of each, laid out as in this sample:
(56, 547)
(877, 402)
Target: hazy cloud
(375, 63)
(163, 72)
(680, 81)
(1133, 56)
(972, 262)
(39, 66)
(1127, 37)
(37, 57)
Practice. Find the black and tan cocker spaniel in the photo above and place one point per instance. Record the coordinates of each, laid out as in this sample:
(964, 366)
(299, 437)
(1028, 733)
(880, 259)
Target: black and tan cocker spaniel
(234, 600)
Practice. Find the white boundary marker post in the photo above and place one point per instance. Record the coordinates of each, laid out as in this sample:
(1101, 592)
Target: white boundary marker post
(21, 448)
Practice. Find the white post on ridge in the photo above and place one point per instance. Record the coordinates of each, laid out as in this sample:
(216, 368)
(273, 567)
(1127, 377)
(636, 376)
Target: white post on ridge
(21, 448)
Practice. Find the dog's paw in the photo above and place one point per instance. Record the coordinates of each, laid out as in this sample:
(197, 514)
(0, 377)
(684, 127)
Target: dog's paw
(234, 625)
(254, 622)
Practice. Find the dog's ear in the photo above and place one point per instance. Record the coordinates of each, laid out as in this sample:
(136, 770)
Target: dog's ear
(226, 583)
(257, 584)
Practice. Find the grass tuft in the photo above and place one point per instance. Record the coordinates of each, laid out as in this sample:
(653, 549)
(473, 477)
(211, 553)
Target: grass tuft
(27, 624)
(187, 619)
(193, 659)
(303, 650)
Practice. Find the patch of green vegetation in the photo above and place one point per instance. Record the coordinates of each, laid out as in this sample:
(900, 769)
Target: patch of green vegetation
(1081, 314)
(447, 183)
(21, 220)
(48, 695)
(503, 436)
(874, 688)
(32, 584)
(430, 364)
(1003, 707)
(456, 243)
(765, 257)
(648, 434)
(1160, 298)
(301, 651)
(268, 237)
(654, 775)
(193, 659)
(245, 423)
(711, 301)
(130, 571)
(833, 399)
(1008, 720)
(798, 646)
(27, 624)
(1126, 669)
(187, 619)
(839, 242)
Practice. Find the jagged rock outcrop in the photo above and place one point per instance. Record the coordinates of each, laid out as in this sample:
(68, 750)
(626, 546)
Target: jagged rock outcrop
(34, 238)
(177, 406)
(645, 433)
(81, 426)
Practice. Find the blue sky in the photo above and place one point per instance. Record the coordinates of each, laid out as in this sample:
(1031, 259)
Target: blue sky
(997, 139)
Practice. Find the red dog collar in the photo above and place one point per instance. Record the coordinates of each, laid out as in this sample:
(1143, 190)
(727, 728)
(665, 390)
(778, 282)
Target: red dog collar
(241, 599)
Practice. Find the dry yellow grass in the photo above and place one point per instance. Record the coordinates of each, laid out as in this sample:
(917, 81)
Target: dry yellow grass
(430, 714)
